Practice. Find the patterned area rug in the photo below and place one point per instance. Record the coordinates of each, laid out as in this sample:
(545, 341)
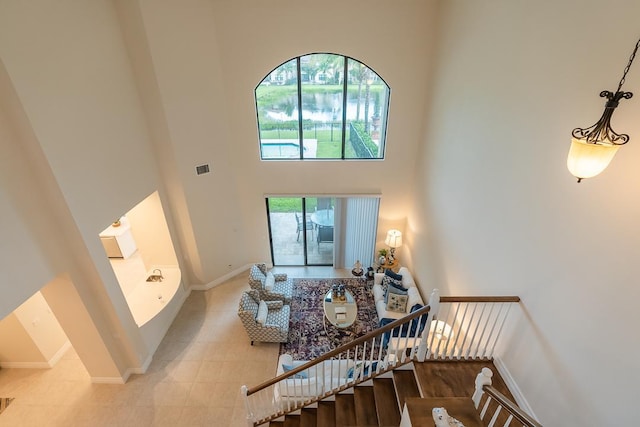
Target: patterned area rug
(4, 402)
(310, 335)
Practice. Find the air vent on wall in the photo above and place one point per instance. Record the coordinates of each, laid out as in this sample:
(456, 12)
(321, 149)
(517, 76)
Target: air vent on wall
(202, 169)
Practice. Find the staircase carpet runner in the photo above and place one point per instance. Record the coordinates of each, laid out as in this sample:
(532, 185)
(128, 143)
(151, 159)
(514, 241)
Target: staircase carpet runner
(310, 335)
(4, 402)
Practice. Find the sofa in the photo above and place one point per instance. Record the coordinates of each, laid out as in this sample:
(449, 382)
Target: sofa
(270, 286)
(388, 310)
(311, 382)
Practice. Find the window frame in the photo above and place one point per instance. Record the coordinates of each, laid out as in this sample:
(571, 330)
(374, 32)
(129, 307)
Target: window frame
(384, 118)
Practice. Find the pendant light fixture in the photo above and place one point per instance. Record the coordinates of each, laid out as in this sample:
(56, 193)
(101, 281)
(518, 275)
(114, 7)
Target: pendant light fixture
(593, 148)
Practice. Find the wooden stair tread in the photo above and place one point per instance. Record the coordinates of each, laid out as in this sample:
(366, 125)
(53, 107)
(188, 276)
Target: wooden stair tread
(406, 385)
(309, 417)
(292, 421)
(345, 410)
(365, 406)
(420, 410)
(326, 414)
(455, 379)
(386, 402)
(276, 424)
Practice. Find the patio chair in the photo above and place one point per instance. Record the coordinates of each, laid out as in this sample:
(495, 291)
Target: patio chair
(310, 226)
(325, 234)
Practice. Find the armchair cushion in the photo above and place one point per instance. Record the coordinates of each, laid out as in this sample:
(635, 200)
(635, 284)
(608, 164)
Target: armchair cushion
(269, 281)
(261, 315)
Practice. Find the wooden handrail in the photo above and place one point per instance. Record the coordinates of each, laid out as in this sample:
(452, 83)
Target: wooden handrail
(517, 413)
(424, 310)
(408, 318)
(481, 299)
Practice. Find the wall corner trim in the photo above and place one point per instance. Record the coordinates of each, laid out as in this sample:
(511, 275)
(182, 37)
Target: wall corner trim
(222, 279)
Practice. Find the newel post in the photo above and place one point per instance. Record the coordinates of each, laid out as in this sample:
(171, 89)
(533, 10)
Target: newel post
(243, 391)
(434, 306)
(483, 379)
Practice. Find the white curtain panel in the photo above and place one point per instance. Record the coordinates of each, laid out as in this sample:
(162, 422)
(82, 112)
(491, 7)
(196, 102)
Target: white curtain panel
(359, 220)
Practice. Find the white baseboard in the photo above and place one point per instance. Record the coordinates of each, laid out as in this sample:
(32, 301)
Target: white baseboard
(222, 279)
(513, 386)
(56, 357)
(39, 365)
(108, 380)
(25, 365)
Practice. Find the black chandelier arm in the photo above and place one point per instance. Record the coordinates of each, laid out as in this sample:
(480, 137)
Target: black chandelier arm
(601, 130)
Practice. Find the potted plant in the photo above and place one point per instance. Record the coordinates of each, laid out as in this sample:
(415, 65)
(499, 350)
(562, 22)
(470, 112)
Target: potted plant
(383, 256)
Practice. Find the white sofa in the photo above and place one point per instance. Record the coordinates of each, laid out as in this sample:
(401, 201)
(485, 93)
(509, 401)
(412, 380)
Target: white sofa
(378, 294)
(319, 379)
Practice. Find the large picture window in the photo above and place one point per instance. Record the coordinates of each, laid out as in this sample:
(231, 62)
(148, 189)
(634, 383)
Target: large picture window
(322, 106)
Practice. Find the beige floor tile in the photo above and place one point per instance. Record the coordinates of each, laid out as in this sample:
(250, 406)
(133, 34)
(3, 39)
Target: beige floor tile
(194, 378)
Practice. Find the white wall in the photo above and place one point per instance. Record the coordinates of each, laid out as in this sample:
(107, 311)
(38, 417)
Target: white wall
(498, 213)
(81, 128)
(207, 59)
(150, 232)
(31, 336)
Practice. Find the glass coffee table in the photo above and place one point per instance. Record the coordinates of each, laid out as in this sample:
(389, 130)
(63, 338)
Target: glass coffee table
(340, 312)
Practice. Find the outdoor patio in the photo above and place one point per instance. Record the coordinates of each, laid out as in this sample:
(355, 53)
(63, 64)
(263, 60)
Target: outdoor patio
(289, 250)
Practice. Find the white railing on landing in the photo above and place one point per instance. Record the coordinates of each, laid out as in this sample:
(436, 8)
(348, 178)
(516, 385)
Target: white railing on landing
(467, 327)
(495, 408)
(461, 328)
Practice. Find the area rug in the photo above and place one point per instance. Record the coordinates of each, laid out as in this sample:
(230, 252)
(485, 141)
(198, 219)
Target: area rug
(4, 402)
(309, 335)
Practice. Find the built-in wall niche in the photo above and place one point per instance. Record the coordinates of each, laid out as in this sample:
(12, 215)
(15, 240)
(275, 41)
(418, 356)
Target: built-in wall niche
(144, 249)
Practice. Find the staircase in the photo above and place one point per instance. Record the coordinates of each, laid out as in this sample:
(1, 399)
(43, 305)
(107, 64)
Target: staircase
(377, 402)
(409, 359)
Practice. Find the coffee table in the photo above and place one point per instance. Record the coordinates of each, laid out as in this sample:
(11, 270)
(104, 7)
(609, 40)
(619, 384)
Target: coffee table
(340, 314)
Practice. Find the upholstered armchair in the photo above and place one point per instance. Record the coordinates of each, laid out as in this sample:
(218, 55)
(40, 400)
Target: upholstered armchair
(266, 321)
(270, 286)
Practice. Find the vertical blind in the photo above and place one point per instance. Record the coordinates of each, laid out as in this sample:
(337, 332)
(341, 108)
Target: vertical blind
(360, 221)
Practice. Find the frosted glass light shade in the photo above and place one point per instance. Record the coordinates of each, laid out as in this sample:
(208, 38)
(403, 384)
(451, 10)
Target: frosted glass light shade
(587, 160)
(394, 239)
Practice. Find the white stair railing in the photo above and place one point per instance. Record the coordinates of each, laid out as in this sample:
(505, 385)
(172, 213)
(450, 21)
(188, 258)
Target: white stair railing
(495, 408)
(467, 328)
(460, 328)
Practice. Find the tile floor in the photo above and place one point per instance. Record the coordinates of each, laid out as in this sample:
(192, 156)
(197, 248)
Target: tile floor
(194, 379)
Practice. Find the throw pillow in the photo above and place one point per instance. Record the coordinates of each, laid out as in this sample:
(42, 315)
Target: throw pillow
(397, 303)
(392, 289)
(387, 281)
(393, 275)
(263, 310)
(354, 372)
(271, 280)
(287, 368)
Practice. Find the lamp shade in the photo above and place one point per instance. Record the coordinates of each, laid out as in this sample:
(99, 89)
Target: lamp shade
(394, 239)
(587, 160)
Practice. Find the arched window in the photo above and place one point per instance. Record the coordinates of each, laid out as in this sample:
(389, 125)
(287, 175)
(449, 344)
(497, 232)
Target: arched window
(322, 106)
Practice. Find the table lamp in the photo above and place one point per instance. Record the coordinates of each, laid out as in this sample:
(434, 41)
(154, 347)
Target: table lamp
(393, 240)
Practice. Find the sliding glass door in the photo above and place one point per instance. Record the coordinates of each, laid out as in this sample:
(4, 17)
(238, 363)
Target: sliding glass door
(322, 230)
(301, 230)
